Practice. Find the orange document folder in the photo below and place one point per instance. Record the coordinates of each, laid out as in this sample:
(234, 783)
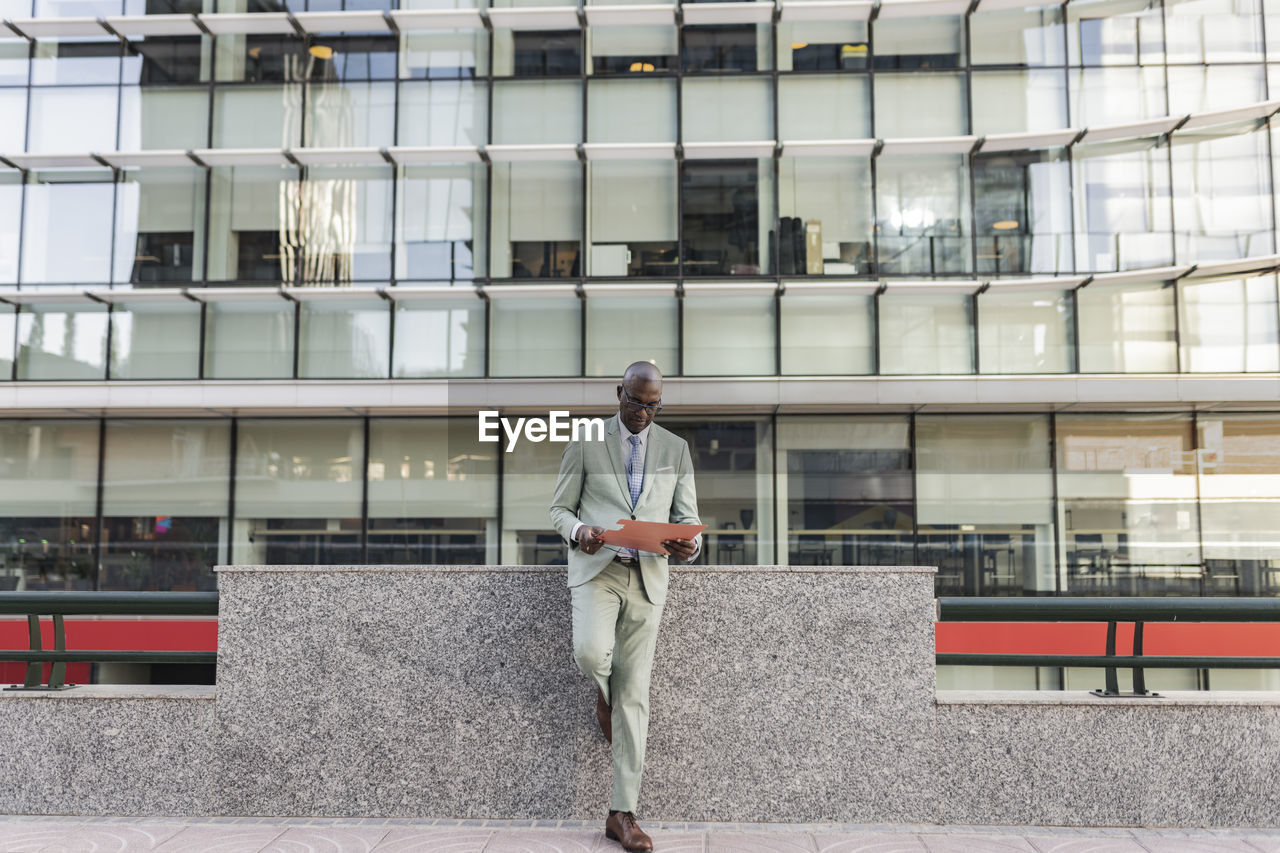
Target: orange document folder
(648, 535)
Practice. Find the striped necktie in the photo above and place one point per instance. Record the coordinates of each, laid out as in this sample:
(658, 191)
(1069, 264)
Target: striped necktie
(635, 475)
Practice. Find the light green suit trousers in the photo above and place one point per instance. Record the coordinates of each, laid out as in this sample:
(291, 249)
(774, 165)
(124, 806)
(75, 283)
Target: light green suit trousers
(616, 609)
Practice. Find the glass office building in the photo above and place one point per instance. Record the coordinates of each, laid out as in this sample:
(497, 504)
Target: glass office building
(983, 285)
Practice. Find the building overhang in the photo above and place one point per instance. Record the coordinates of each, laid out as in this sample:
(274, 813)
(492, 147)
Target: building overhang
(681, 396)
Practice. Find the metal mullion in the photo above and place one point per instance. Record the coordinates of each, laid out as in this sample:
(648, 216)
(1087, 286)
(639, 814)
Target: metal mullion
(26, 176)
(1195, 451)
(488, 335)
(1053, 509)
(99, 527)
(779, 551)
(776, 225)
(395, 193)
(231, 489)
(975, 349)
(490, 189)
(1075, 330)
(915, 490)
(297, 335)
(1070, 155)
(391, 339)
(968, 160)
(584, 240)
(680, 329)
(500, 518)
(106, 366)
(13, 364)
(364, 497)
(680, 166)
(22, 222)
(875, 334)
(202, 348)
(210, 90)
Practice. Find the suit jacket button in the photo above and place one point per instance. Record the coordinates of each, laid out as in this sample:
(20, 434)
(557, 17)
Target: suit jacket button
(633, 516)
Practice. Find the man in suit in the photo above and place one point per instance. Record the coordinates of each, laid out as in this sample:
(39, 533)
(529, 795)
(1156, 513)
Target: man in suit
(644, 472)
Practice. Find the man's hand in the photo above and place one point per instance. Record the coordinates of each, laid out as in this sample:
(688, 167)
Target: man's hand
(682, 549)
(589, 539)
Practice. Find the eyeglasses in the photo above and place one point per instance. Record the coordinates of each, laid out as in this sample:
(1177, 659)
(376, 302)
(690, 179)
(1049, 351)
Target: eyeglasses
(653, 408)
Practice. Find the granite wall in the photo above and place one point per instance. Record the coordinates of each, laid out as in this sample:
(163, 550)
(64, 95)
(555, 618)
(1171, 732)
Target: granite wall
(107, 749)
(1048, 758)
(779, 694)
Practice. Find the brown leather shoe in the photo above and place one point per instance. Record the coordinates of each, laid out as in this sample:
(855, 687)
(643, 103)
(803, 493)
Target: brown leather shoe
(622, 828)
(604, 715)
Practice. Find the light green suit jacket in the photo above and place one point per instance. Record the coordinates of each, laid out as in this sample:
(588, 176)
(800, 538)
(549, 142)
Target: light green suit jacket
(593, 489)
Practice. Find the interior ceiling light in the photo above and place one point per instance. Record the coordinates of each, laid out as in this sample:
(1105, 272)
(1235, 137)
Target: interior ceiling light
(799, 45)
(321, 51)
(1005, 225)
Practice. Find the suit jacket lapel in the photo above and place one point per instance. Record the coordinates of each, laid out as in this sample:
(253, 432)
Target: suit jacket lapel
(615, 458)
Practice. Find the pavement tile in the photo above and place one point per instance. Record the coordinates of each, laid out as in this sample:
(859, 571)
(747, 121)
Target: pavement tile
(220, 839)
(114, 838)
(868, 843)
(667, 841)
(759, 842)
(30, 837)
(976, 844)
(1263, 843)
(1197, 845)
(1079, 844)
(547, 841)
(327, 839)
(435, 840)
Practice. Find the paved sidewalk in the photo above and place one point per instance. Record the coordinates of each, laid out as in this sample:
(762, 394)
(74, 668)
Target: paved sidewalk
(397, 835)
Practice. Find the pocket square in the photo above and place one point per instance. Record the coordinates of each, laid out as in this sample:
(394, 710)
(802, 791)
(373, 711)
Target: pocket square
(665, 468)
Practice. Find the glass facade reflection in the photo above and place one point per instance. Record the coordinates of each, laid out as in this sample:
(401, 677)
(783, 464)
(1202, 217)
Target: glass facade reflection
(793, 200)
(1002, 504)
(1140, 199)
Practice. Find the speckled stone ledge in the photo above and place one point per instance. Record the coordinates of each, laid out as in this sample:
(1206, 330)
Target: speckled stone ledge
(367, 569)
(95, 692)
(1167, 698)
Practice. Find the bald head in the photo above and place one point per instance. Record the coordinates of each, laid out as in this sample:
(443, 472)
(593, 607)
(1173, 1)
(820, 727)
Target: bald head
(641, 371)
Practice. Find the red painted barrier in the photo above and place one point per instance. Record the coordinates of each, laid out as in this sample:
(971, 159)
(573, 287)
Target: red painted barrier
(1230, 639)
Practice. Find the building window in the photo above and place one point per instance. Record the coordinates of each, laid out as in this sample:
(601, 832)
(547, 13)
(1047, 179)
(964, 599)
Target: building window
(433, 493)
(155, 340)
(734, 47)
(48, 514)
(1022, 207)
(298, 492)
(60, 340)
(1127, 505)
(164, 504)
(984, 492)
(721, 217)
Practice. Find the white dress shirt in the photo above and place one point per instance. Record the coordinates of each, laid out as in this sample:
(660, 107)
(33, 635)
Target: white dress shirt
(624, 436)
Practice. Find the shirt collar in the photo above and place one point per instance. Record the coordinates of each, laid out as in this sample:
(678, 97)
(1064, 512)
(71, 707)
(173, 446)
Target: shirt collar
(626, 433)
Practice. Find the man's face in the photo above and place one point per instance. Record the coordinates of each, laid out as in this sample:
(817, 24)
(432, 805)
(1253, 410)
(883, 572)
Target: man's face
(640, 392)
